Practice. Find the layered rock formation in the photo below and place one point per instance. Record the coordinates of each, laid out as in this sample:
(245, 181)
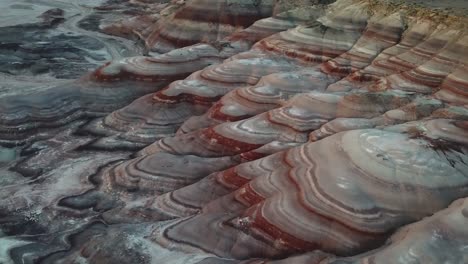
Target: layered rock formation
(260, 132)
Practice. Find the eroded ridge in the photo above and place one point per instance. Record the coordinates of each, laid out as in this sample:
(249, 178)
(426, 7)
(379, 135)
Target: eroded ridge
(270, 132)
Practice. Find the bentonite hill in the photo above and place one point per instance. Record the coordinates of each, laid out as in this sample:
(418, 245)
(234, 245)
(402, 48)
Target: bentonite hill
(234, 131)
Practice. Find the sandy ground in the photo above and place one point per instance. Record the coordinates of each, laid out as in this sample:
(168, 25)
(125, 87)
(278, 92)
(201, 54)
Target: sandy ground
(457, 6)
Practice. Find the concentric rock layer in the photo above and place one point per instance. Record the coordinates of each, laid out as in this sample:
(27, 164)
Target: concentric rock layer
(251, 132)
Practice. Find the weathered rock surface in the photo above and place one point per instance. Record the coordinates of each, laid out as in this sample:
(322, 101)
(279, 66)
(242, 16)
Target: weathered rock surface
(243, 132)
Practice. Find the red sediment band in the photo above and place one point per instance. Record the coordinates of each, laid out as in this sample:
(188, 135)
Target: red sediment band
(394, 65)
(354, 56)
(217, 114)
(312, 53)
(177, 201)
(383, 35)
(98, 75)
(288, 241)
(281, 122)
(461, 124)
(166, 61)
(231, 177)
(457, 87)
(184, 97)
(125, 75)
(430, 47)
(291, 242)
(362, 77)
(239, 146)
(222, 16)
(247, 196)
(252, 155)
(336, 70)
(411, 39)
(349, 20)
(251, 36)
(433, 81)
(178, 42)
